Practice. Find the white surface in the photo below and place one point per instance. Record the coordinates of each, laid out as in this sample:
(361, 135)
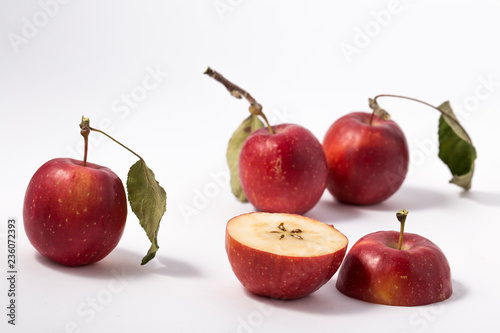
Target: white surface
(88, 55)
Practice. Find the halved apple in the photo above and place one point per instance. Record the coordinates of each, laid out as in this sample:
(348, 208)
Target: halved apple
(283, 256)
(376, 271)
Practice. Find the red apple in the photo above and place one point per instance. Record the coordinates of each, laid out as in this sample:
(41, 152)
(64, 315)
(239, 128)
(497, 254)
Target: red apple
(74, 215)
(368, 160)
(376, 270)
(283, 172)
(283, 256)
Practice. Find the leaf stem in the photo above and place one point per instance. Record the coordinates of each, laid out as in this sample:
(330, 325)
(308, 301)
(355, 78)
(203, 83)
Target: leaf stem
(450, 116)
(237, 92)
(84, 131)
(121, 144)
(401, 216)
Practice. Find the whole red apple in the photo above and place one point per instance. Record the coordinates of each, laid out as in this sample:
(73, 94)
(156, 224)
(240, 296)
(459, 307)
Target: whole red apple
(74, 215)
(367, 158)
(376, 271)
(283, 172)
(283, 256)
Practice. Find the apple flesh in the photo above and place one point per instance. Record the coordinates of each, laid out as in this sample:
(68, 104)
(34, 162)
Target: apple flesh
(367, 162)
(284, 172)
(283, 256)
(376, 271)
(74, 215)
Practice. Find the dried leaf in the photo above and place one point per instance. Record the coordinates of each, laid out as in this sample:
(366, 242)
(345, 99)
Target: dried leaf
(455, 148)
(249, 125)
(148, 201)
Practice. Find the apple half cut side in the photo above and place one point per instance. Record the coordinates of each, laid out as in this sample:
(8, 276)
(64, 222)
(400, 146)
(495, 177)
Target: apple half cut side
(283, 256)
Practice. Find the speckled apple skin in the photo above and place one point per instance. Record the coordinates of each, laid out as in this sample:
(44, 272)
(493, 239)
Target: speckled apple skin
(277, 276)
(74, 215)
(375, 271)
(285, 172)
(367, 163)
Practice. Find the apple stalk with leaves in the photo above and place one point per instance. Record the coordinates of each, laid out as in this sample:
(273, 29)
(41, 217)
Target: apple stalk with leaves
(75, 212)
(278, 169)
(368, 154)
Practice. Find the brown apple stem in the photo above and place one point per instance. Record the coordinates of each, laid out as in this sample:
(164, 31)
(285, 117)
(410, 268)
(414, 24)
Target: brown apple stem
(401, 216)
(376, 106)
(377, 110)
(121, 144)
(237, 92)
(84, 131)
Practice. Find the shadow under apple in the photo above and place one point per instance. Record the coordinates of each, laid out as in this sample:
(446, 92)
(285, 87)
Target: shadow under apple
(329, 301)
(330, 211)
(127, 263)
(325, 301)
(484, 198)
(459, 292)
(412, 199)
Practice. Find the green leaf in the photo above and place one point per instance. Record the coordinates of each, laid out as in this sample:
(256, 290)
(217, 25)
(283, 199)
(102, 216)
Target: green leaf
(148, 201)
(249, 125)
(455, 148)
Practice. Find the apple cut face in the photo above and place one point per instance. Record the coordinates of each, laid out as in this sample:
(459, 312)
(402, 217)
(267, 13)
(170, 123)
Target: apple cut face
(283, 256)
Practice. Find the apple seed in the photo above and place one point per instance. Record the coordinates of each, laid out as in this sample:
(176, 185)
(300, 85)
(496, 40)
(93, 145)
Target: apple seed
(283, 232)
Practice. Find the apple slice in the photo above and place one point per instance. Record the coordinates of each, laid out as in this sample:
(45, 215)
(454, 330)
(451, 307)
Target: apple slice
(283, 256)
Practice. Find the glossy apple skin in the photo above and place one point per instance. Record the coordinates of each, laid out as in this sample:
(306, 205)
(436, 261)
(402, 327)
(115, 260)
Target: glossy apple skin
(74, 215)
(375, 271)
(285, 172)
(367, 163)
(277, 276)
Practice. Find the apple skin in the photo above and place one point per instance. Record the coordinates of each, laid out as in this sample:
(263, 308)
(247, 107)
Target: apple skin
(278, 276)
(367, 163)
(74, 215)
(375, 271)
(284, 172)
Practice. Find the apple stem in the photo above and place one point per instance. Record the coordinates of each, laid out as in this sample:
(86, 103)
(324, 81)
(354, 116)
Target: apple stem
(237, 92)
(377, 110)
(375, 106)
(401, 216)
(84, 131)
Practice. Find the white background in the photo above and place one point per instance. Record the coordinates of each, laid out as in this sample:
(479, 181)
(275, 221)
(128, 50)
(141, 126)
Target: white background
(307, 62)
